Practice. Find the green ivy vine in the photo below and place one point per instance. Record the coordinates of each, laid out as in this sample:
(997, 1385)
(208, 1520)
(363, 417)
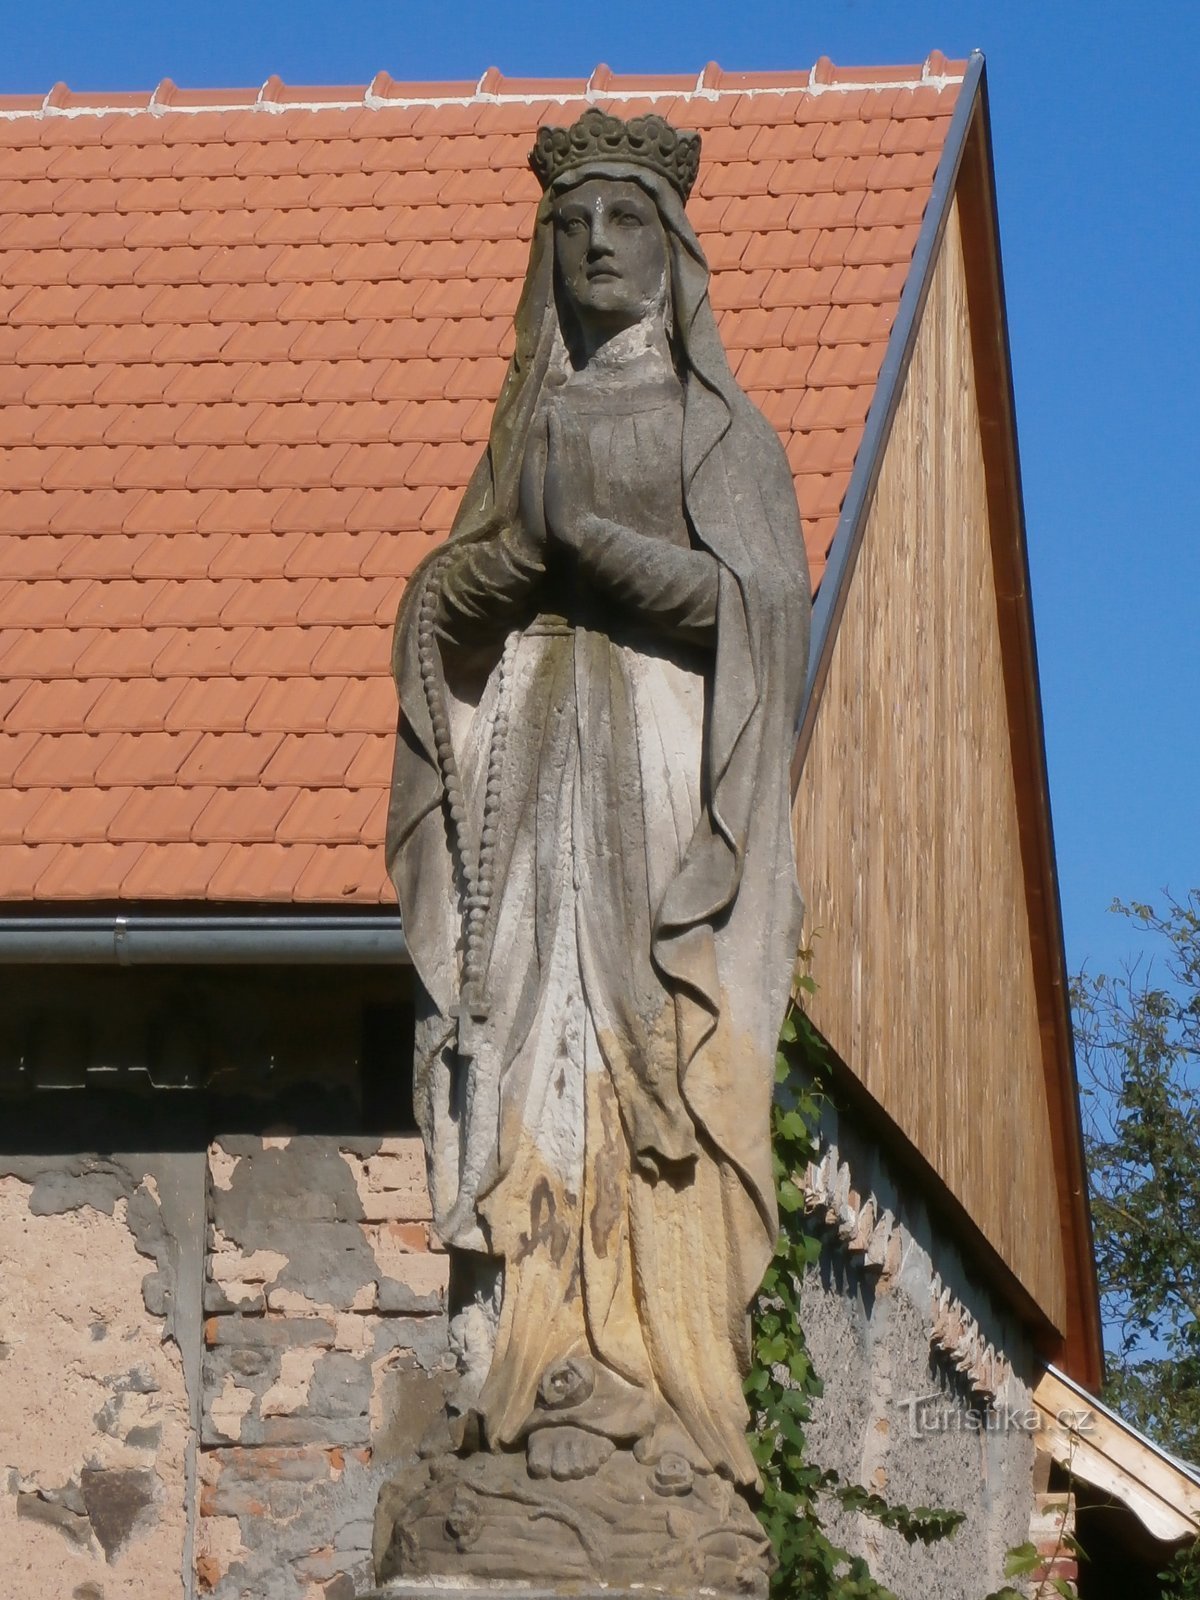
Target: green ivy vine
(783, 1383)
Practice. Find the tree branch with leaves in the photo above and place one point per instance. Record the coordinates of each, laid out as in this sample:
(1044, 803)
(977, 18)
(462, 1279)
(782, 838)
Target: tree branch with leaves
(1138, 1051)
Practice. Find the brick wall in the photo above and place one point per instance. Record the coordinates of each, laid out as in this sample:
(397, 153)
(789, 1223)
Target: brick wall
(324, 1355)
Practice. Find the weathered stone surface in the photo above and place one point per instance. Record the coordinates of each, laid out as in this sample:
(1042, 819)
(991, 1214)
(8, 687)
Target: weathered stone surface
(118, 1501)
(417, 1589)
(623, 1524)
(269, 1332)
(57, 1508)
(599, 676)
(275, 1521)
(363, 1241)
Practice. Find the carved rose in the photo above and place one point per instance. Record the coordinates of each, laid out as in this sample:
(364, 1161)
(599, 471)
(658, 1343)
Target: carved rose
(673, 1474)
(567, 1383)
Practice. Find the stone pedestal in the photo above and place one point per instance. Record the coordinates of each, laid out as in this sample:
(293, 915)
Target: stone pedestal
(456, 1589)
(485, 1524)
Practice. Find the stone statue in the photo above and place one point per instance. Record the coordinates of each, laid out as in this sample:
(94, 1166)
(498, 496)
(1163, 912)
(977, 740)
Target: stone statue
(599, 677)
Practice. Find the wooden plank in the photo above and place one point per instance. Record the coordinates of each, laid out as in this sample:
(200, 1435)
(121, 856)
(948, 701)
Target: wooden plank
(1097, 1447)
(907, 827)
(1082, 1355)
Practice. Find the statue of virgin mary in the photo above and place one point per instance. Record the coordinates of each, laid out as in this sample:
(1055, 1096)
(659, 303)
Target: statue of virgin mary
(599, 677)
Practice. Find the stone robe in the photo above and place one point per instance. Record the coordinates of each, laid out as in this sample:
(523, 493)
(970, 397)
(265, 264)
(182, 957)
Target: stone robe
(644, 916)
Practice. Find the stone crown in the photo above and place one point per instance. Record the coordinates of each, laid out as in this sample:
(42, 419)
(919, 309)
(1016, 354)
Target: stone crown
(644, 141)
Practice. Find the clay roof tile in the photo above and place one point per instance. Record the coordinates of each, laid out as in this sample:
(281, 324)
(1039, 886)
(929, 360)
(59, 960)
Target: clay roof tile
(248, 361)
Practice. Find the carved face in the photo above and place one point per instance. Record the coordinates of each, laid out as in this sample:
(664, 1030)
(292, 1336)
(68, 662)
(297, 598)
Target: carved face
(610, 252)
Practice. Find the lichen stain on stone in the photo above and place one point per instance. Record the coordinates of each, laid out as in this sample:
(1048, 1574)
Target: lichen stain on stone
(546, 1228)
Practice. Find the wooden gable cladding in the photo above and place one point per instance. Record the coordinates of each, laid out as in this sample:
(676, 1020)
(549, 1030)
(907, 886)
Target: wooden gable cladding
(907, 827)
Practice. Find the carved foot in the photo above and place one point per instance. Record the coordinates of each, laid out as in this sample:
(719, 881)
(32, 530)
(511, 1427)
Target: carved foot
(564, 1453)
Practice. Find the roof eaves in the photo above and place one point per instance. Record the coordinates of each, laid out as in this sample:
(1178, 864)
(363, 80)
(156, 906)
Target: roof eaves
(1104, 1450)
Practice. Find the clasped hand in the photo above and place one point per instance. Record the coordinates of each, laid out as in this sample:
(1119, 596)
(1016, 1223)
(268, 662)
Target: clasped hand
(569, 486)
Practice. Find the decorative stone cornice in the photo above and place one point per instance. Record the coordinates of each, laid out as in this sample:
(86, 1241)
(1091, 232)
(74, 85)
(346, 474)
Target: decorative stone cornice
(864, 1228)
(958, 1339)
(868, 1231)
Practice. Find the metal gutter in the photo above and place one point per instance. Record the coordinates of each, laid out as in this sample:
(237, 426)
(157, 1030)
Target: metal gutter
(147, 939)
(835, 584)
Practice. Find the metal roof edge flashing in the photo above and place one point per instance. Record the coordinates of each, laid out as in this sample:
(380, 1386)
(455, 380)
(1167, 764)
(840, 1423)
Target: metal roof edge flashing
(147, 939)
(831, 596)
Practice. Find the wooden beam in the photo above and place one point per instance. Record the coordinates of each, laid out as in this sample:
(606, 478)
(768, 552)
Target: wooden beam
(1095, 1446)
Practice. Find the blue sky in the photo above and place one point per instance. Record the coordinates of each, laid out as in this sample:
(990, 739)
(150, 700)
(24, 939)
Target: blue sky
(1095, 118)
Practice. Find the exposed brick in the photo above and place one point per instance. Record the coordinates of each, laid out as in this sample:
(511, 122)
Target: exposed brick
(268, 1331)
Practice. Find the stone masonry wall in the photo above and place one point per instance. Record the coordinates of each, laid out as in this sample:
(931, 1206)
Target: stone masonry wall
(926, 1378)
(325, 1341)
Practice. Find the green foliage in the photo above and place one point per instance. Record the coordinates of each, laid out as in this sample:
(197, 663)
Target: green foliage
(1024, 1561)
(1138, 1043)
(1180, 1579)
(783, 1383)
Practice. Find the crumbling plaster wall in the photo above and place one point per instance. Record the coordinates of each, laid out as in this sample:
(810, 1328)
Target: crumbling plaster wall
(209, 1360)
(95, 1433)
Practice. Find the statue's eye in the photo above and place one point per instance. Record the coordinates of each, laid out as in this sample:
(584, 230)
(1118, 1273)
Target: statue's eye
(628, 219)
(573, 226)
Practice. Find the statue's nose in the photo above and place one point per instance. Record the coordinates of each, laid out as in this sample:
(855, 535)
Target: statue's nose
(600, 243)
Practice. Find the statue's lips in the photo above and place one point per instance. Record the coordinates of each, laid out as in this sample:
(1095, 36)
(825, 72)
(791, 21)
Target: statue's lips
(602, 274)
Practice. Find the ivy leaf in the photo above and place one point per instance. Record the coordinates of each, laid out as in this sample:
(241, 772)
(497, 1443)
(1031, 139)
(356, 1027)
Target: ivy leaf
(1021, 1561)
(791, 1125)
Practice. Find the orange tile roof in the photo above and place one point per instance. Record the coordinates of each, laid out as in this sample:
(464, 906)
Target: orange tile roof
(249, 348)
